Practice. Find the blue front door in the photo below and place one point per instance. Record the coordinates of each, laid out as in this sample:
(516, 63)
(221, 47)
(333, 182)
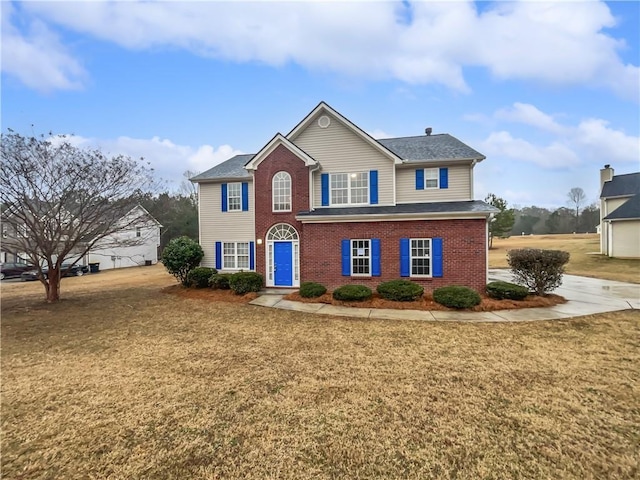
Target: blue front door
(282, 264)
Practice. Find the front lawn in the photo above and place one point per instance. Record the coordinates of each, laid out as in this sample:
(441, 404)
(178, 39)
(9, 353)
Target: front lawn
(124, 381)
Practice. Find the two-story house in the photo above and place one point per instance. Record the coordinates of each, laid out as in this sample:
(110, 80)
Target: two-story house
(330, 204)
(619, 214)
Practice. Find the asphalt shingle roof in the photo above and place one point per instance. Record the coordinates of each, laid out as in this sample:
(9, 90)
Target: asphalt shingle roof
(621, 185)
(232, 168)
(628, 210)
(430, 147)
(472, 206)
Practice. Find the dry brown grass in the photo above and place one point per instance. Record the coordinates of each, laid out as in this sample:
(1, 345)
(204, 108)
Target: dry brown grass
(584, 259)
(122, 381)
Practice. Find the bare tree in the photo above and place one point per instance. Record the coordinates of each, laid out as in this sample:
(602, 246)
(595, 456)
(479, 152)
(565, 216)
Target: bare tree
(189, 189)
(60, 200)
(576, 197)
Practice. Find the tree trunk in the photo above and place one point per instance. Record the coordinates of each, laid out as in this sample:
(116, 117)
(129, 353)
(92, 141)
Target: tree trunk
(52, 286)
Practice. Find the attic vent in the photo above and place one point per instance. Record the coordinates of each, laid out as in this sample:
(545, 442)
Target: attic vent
(324, 121)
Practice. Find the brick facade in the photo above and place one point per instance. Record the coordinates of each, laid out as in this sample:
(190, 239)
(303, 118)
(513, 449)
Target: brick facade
(464, 241)
(464, 251)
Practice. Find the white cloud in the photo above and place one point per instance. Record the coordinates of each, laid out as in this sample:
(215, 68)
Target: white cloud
(168, 159)
(378, 134)
(562, 43)
(530, 115)
(554, 155)
(606, 145)
(38, 59)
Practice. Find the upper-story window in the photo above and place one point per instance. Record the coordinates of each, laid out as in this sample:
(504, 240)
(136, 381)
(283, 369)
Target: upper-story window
(281, 189)
(138, 231)
(431, 177)
(349, 188)
(234, 197)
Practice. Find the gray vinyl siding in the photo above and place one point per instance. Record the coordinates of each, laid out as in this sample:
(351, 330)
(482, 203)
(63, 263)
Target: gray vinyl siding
(459, 186)
(219, 226)
(340, 150)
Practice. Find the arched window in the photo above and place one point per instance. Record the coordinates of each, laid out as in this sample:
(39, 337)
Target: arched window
(281, 189)
(282, 231)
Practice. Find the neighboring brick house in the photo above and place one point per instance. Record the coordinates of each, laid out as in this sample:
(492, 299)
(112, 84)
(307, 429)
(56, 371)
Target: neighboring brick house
(619, 214)
(330, 204)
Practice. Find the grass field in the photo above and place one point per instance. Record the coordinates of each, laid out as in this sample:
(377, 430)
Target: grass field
(582, 247)
(123, 381)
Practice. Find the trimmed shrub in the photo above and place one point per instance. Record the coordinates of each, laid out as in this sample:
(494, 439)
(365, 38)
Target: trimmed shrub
(400, 290)
(245, 282)
(199, 277)
(312, 290)
(220, 281)
(352, 293)
(180, 256)
(456, 296)
(505, 290)
(538, 270)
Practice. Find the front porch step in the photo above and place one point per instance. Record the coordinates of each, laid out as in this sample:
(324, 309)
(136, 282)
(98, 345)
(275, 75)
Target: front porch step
(277, 291)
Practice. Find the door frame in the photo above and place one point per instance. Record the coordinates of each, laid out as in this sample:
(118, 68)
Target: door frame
(269, 253)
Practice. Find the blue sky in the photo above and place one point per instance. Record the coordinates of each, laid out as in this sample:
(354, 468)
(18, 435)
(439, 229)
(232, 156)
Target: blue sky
(549, 92)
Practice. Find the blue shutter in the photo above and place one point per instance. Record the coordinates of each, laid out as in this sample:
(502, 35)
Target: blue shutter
(324, 180)
(346, 257)
(224, 197)
(436, 257)
(252, 256)
(375, 257)
(373, 187)
(245, 197)
(420, 179)
(405, 260)
(218, 255)
(444, 178)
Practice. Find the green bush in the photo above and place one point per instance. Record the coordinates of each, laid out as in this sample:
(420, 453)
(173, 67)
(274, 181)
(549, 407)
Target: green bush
(199, 277)
(180, 256)
(400, 290)
(312, 290)
(455, 296)
(505, 290)
(352, 293)
(220, 281)
(245, 282)
(538, 270)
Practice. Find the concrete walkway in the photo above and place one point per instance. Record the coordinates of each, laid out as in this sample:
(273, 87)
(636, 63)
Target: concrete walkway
(585, 296)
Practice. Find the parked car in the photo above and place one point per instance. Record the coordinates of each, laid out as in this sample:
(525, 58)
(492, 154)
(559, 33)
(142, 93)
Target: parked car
(76, 270)
(13, 270)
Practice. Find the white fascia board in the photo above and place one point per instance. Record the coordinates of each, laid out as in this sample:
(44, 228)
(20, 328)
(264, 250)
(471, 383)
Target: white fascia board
(272, 145)
(392, 217)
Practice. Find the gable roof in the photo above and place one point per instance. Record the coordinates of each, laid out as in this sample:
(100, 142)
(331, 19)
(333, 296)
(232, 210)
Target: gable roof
(347, 123)
(431, 147)
(629, 210)
(231, 169)
(621, 185)
(276, 141)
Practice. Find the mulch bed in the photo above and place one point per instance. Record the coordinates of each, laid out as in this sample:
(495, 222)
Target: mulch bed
(425, 303)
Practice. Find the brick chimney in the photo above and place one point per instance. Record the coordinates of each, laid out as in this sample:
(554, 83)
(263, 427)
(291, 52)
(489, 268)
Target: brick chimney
(606, 174)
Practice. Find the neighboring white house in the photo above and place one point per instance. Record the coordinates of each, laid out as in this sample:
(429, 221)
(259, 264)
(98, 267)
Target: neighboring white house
(131, 247)
(619, 214)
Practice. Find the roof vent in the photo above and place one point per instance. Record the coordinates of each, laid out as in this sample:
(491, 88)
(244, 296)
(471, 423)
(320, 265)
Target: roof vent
(607, 166)
(428, 130)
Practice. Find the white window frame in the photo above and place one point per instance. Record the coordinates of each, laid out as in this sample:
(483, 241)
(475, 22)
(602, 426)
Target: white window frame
(231, 257)
(233, 198)
(412, 257)
(354, 246)
(351, 178)
(278, 198)
(431, 175)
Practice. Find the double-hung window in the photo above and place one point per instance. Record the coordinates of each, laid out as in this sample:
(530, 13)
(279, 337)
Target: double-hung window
(235, 255)
(420, 257)
(234, 197)
(281, 189)
(431, 178)
(361, 257)
(349, 188)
